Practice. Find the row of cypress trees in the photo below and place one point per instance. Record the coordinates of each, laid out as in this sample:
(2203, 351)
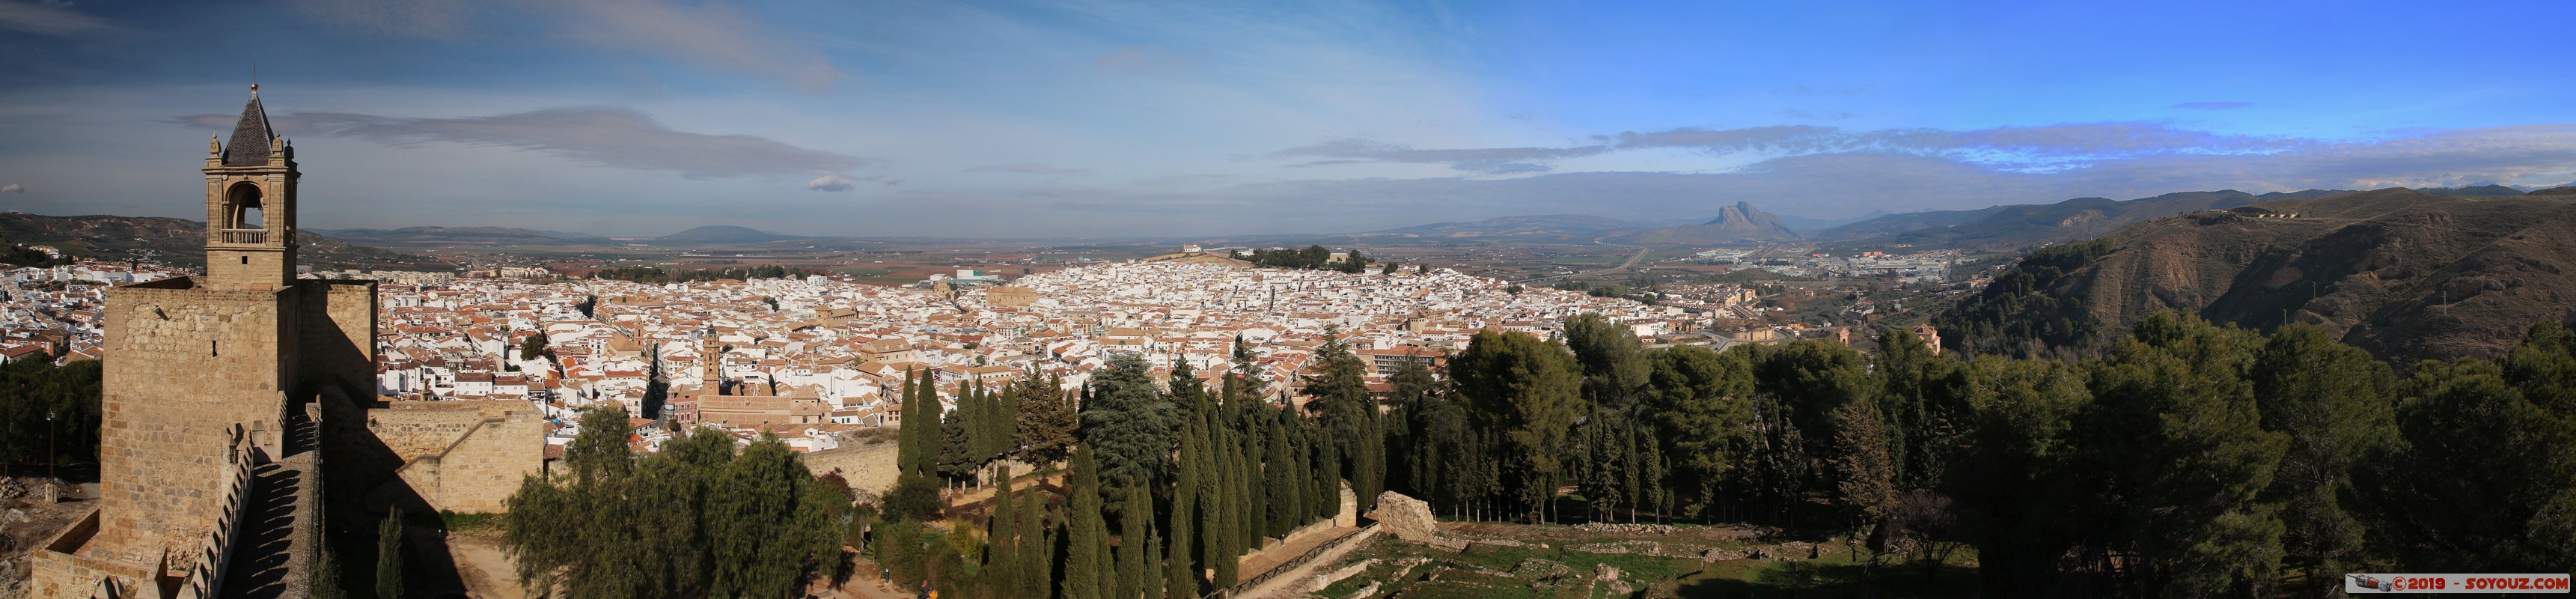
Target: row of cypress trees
(1168, 486)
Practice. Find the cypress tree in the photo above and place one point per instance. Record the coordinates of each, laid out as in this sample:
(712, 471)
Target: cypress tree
(1327, 480)
(907, 441)
(1037, 549)
(1158, 571)
(389, 562)
(933, 444)
(1282, 480)
(1230, 523)
(1087, 544)
(1184, 514)
(1247, 489)
(1136, 515)
(1002, 560)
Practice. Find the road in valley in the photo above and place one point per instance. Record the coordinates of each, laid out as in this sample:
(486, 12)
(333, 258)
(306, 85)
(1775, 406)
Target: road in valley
(1631, 263)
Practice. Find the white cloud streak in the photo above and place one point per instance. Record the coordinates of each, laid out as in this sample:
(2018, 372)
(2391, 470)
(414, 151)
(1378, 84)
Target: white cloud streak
(598, 136)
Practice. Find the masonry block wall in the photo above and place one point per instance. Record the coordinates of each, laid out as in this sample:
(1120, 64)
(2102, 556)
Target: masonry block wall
(184, 366)
(463, 456)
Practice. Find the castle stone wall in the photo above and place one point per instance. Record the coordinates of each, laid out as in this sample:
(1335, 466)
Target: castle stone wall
(462, 456)
(183, 367)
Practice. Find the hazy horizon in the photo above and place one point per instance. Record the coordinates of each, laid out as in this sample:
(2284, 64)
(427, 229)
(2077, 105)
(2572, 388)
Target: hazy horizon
(1111, 119)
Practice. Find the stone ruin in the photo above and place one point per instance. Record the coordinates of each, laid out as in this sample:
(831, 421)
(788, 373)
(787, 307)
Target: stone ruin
(1410, 519)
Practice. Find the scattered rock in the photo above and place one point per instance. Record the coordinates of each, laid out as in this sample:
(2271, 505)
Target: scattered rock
(1541, 573)
(1605, 574)
(1609, 548)
(1626, 529)
(1719, 555)
(15, 516)
(1410, 519)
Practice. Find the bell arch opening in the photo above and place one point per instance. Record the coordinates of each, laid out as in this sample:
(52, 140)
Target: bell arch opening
(242, 208)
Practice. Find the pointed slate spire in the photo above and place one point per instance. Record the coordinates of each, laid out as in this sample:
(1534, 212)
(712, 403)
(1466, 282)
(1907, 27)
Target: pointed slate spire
(251, 136)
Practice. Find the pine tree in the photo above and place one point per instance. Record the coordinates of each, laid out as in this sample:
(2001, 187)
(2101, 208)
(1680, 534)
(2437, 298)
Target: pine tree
(1046, 421)
(1128, 424)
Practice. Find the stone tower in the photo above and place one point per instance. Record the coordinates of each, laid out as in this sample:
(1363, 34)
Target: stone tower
(203, 379)
(250, 205)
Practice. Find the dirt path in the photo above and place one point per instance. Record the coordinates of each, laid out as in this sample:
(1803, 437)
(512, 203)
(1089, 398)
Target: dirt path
(488, 573)
(1293, 583)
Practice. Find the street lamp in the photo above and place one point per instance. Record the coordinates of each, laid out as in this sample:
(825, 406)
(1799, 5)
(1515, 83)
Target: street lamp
(49, 447)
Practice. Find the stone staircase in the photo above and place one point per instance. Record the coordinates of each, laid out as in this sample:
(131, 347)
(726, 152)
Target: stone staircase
(273, 535)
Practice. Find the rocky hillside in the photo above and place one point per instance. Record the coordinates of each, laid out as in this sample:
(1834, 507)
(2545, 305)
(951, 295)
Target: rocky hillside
(1737, 223)
(181, 241)
(2405, 274)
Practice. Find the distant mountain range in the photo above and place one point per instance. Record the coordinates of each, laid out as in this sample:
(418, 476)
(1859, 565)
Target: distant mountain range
(2405, 274)
(414, 236)
(728, 234)
(182, 241)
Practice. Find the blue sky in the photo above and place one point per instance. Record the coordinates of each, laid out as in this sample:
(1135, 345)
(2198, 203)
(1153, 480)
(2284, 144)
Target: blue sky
(1078, 118)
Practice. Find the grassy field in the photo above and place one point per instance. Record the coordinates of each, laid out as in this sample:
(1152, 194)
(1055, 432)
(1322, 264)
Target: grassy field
(1566, 563)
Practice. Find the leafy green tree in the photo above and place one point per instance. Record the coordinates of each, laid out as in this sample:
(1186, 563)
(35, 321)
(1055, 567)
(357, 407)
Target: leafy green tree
(1614, 364)
(532, 346)
(1530, 390)
(1128, 424)
(618, 526)
(48, 412)
(2019, 482)
(2178, 443)
(1350, 420)
(1046, 420)
(1703, 402)
(2336, 406)
(2500, 499)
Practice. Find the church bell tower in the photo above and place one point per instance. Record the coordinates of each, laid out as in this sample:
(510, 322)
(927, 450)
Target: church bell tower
(250, 205)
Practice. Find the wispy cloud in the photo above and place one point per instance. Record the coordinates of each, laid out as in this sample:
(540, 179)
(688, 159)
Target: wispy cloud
(2213, 105)
(599, 136)
(2039, 147)
(13, 188)
(829, 183)
(1029, 168)
(712, 35)
(1819, 171)
(1491, 161)
(45, 20)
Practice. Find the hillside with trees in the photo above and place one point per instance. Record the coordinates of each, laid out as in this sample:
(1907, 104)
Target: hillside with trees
(2403, 274)
(182, 242)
